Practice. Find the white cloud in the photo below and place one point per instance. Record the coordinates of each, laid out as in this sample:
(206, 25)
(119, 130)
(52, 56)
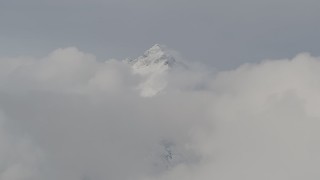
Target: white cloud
(20, 158)
(259, 121)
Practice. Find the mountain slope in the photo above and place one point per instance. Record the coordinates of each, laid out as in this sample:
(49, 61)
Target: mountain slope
(155, 59)
(153, 67)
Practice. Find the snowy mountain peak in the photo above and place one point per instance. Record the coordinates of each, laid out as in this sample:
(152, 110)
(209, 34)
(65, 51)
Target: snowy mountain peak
(157, 58)
(153, 66)
(157, 48)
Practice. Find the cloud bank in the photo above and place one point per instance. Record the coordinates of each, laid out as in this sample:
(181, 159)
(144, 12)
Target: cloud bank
(68, 116)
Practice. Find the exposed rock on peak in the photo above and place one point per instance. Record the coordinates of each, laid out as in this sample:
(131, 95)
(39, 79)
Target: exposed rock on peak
(155, 59)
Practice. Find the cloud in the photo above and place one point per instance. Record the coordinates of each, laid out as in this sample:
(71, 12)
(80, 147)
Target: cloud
(69, 116)
(265, 123)
(20, 158)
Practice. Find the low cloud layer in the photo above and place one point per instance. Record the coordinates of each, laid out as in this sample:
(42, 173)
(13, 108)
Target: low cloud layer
(68, 116)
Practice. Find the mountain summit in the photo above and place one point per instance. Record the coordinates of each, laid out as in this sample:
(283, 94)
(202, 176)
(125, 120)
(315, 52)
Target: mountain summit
(155, 59)
(153, 66)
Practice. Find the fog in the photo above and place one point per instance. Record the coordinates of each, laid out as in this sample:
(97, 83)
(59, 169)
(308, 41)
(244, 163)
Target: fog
(69, 116)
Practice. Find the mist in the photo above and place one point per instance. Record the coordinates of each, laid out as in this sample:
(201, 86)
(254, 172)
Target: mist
(69, 116)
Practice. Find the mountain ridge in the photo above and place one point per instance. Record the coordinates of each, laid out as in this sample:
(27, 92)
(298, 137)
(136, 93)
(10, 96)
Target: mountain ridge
(157, 58)
(153, 66)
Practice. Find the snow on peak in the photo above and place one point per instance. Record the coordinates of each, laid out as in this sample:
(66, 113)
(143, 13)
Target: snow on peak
(153, 66)
(155, 59)
(154, 49)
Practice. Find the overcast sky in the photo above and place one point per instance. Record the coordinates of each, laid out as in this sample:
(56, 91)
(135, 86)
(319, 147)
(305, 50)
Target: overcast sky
(221, 33)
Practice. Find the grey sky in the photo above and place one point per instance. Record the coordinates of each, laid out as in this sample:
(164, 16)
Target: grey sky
(223, 34)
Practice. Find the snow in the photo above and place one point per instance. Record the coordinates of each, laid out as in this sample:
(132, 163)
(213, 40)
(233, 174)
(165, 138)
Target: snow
(153, 67)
